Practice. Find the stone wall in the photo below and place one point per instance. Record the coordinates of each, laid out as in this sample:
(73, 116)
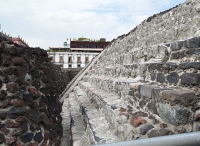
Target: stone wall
(71, 72)
(29, 89)
(145, 84)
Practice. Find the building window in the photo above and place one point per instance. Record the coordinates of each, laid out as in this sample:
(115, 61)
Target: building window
(86, 59)
(65, 44)
(69, 66)
(61, 59)
(70, 59)
(79, 59)
(78, 65)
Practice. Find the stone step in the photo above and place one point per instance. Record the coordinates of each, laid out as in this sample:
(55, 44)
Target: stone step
(169, 73)
(111, 105)
(96, 119)
(117, 86)
(79, 135)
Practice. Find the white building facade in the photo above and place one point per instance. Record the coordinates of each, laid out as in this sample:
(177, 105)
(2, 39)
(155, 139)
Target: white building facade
(71, 59)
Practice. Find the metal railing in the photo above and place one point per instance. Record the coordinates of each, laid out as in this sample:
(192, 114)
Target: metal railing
(185, 139)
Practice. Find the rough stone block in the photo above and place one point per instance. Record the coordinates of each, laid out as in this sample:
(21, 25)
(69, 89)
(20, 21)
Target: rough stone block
(190, 78)
(189, 65)
(184, 97)
(174, 115)
(192, 43)
(160, 78)
(146, 90)
(176, 45)
(137, 122)
(12, 87)
(14, 113)
(152, 108)
(170, 66)
(173, 78)
(38, 137)
(145, 128)
(27, 137)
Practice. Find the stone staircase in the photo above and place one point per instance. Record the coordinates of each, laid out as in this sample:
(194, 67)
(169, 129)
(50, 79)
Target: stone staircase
(154, 97)
(130, 92)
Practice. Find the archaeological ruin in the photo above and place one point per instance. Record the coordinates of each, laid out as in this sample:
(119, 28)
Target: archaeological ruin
(145, 84)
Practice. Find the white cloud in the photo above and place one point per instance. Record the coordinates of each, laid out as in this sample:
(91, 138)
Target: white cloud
(48, 23)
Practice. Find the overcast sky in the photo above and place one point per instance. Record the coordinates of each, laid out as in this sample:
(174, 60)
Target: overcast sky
(48, 23)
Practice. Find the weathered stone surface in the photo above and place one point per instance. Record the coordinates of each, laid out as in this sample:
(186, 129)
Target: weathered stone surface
(197, 117)
(24, 126)
(137, 121)
(160, 78)
(192, 43)
(163, 132)
(162, 125)
(153, 133)
(152, 108)
(7, 61)
(12, 87)
(2, 138)
(3, 115)
(33, 144)
(17, 102)
(190, 78)
(122, 109)
(20, 119)
(5, 130)
(175, 55)
(170, 66)
(34, 91)
(53, 134)
(11, 124)
(1, 83)
(2, 47)
(28, 97)
(174, 115)
(10, 140)
(142, 103)
(146, 90)
(153, 76)
(176, 45)
(5, 104)
(34, 116)
(3, 94)
(173, 78)
(145, 128)
(38, 137)
(1, 125)
(18, 61)
(27, 137)
(14, 113)
(189, 65)
(8, 71)
(6, 79)
(36, 84)
(17, 132)
(178, 96)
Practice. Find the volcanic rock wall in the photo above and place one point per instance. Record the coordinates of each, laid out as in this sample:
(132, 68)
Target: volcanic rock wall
(29, 89)
(71, 72)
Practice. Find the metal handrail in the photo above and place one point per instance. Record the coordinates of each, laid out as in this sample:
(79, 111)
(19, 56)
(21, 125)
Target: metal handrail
(185, 139)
